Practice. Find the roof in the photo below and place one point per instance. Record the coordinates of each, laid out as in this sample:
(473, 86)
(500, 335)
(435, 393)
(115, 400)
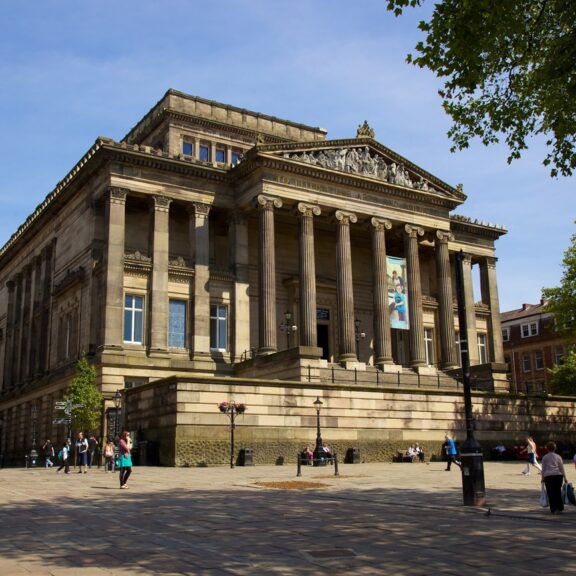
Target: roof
(526, 311)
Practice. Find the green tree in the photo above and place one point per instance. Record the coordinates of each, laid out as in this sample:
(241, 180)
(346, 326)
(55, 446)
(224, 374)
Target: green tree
(85, 395)
(562, 300)
(563, 379)
(509, 70)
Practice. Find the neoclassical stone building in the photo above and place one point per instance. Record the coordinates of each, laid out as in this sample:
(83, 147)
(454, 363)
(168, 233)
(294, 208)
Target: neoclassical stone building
(246, 257)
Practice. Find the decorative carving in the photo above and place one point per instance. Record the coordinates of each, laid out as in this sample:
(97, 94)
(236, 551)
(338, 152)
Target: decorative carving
(358, 160)
(308, 209)
(138, 256)
(178, 262)
(162, 203)
(381, 223)
(345, 218)
(200, 210)
(364, 131)
(414, 231)
(268, 202)
(444, 236)
(118, 195)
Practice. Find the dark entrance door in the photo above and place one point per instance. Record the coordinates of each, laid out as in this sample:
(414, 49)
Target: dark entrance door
(323, 340)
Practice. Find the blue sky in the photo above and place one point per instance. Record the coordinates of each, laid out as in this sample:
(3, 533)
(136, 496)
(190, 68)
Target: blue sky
(72, 71)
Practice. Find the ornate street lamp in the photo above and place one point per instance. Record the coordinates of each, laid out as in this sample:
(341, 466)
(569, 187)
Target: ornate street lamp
(318, 451)
(117, 405)
(287, 327)
(34, 452)
(232, 409)
(359, 335)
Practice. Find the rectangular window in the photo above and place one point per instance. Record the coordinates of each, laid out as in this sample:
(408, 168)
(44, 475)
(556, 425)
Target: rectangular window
(177, 324)
(220, 155)
(530, 329)
(539, 360)
(482, 349)
(526, 362)
(188, 148)
(429, 345)
(505, 334)
(558, 356)
(236, 155)
(205, 152)
(219, 328)
(133, 319)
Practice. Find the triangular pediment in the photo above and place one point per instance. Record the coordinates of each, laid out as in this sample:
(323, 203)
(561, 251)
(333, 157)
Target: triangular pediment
(364, 157)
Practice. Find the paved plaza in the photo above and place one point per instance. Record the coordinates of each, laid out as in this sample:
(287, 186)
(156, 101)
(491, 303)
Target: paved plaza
(397, 519)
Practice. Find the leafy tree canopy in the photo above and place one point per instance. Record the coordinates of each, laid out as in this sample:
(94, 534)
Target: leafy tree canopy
(562, 300)
(563, 381)
(509, 70)
(85, 394)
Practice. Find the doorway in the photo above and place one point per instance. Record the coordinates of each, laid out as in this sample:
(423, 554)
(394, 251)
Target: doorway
(323, 331)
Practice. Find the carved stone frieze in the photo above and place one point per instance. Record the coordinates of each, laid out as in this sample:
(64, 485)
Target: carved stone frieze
(359, 160)
(178, 262)
(137, 256)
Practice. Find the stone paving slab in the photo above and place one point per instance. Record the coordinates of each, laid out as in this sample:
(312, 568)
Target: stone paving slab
(400, 519)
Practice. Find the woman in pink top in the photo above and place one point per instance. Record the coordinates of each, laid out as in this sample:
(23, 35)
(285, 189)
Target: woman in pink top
(553, 476)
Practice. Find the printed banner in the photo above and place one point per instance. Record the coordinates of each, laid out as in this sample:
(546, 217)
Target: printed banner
(397, 293)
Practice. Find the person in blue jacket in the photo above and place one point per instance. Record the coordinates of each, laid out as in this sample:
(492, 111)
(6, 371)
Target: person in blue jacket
(451, 453)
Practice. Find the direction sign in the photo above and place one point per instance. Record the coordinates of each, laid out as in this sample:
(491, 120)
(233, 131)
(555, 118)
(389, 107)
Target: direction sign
(61, 421)
(60, 405)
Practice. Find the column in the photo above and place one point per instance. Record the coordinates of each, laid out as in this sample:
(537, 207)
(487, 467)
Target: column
(17, 333)
(344, 286)
(240, 259)
(382, 332)
(308, 328)
(472, 335)
(46, 306)
(36, 314)
(159, 294)
(448, 350)
(200, 232)
(489, 291)
(114, 268)
(267, 275)
(25, 371)
(416, 316)
(8, 376)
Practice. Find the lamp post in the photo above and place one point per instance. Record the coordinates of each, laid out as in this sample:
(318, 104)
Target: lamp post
(34, 452)
(287, 327)
(473, 489)
(359, 335)
(232, 409)
(117, 405)
(318, 448)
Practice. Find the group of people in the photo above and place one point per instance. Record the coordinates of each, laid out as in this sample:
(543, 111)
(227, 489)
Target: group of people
(307, 456)
(415, 452)
(86, 450)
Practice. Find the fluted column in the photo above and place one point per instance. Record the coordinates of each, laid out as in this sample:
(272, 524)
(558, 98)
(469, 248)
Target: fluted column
(382, 332)
(267, 275)
(9, 340)
(416, 316)
(26, 371)
(448, 350)
(344, 285)
(472, 335)
(489, 290)
(114, 268)
(308, 327)
(16, 349)
(36, 314)
(159, 293)
(200, 232)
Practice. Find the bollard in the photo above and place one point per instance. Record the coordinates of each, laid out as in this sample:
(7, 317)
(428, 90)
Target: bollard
(336, 473)
(299, 466)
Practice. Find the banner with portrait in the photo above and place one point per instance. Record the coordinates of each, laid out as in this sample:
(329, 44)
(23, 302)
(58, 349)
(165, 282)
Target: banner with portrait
(397, 293)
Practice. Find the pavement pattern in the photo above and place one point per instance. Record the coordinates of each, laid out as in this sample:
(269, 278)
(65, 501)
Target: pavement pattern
(397, 519)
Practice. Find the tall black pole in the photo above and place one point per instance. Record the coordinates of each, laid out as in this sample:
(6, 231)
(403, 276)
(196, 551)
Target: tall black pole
(473, 488)
(318, 452)
(232, 426)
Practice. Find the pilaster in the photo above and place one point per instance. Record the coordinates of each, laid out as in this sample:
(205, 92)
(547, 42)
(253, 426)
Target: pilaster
(489, 291)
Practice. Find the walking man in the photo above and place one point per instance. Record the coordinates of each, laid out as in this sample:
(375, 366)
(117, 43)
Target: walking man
(451, 452)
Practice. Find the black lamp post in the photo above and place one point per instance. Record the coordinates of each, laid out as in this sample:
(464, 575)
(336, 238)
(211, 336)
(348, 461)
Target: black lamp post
(117, 405)
(318, 451)
(34, 452)
(287, 327)
(359, 335)
(232, 409)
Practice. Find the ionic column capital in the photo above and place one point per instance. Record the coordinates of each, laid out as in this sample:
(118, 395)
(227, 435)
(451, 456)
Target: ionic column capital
(117, 195)
(161, 203)
(413, 231)
(345, 218)
(267, 202)
(303, 209)
(381, 223)
(199, 210)
(444, 236)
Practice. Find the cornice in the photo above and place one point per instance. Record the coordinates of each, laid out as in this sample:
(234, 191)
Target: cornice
(477, 227)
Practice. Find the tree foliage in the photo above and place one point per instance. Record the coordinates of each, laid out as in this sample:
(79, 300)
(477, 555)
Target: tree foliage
(86, 396)
(509, 70)
(563, 380)
(562, 300)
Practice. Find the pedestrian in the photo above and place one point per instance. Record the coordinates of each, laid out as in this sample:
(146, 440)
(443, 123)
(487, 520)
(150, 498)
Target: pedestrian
(532, 457)
(109, 456)
(48, 453)
(92, 449)
(553, 476)
(64, 460)
(82, 453)
(124, 458)
(451, 452)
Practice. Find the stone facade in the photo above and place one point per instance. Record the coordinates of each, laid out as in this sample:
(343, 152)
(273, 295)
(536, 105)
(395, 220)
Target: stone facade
(215, 242)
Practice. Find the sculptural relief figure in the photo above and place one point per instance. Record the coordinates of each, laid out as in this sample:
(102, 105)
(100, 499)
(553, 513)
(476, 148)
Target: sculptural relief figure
(381, 168)
(352, 161)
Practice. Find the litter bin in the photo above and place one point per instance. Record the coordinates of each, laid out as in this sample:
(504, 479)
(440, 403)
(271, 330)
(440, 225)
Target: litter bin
(246, 457)
(352, 456)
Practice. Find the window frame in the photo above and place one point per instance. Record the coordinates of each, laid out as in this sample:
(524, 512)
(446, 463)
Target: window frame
(220, 150)
(204, 146)
(134, 312)
(538, 360)
(187, 143)
(529, 329)
(506, 334)
(429, 346)
(217, 321)
(185, 327)
(526, 362)
(482, 344)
